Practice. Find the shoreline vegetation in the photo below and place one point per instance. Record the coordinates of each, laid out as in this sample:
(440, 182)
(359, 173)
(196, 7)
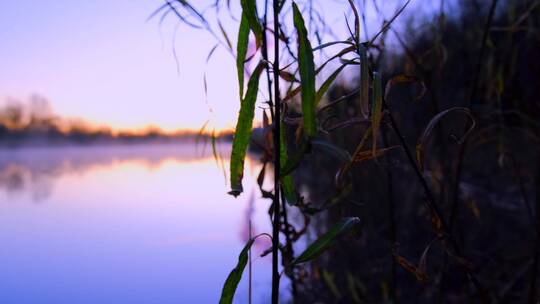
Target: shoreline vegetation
(34, 124)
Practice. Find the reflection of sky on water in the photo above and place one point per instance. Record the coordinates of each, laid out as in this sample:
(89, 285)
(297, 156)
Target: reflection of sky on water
(33, 171)
(123, 225)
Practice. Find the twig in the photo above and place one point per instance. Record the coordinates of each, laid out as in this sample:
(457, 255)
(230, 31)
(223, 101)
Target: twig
(387, 25)
(393, 239)
(288, 245)
(534, 272)
(479, 62)
(277, 159)
(264, 51)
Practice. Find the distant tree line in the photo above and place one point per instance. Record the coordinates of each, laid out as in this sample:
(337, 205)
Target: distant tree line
(33, 122)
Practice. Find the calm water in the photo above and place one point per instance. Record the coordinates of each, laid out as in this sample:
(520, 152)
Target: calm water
(124, 224)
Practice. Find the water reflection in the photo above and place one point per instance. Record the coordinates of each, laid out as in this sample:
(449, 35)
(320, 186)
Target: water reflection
(34, 170)
(124, 224)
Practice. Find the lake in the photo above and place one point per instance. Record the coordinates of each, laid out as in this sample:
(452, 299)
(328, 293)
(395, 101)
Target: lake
(126, 224)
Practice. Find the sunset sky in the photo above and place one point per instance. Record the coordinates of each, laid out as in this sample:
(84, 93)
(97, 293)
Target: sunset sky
(101, 60)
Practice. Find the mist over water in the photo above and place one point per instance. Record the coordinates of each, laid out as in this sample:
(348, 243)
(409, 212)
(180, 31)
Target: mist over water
(124, 224)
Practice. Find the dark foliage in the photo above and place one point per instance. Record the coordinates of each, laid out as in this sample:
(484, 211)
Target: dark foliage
(485, 187)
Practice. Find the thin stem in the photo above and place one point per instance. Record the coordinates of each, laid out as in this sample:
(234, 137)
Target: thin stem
(392, 220)
(289, 248)
(264, 51)
(534, 272)
(277, 160)
(250, 264)
(479, 62)
(427, 191)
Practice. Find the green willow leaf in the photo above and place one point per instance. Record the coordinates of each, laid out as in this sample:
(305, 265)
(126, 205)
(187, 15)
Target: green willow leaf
(325, 45)
(294, 161)
(291, 94)
(224, 33)
(327, 83)
(192, 9)
(241, 51)
(364, 82)
(323, 242)
(249, 9)
(243, 131)
(287, 182)
(356, 22)
(289, 190)
(339, 54)
(307, 74)
(376, 109)
(229, 288)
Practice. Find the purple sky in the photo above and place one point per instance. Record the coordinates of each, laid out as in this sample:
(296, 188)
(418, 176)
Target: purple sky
(100, 60)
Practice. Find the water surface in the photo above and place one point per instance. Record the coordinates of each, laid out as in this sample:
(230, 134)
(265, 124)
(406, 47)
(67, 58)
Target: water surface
(124, 224)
